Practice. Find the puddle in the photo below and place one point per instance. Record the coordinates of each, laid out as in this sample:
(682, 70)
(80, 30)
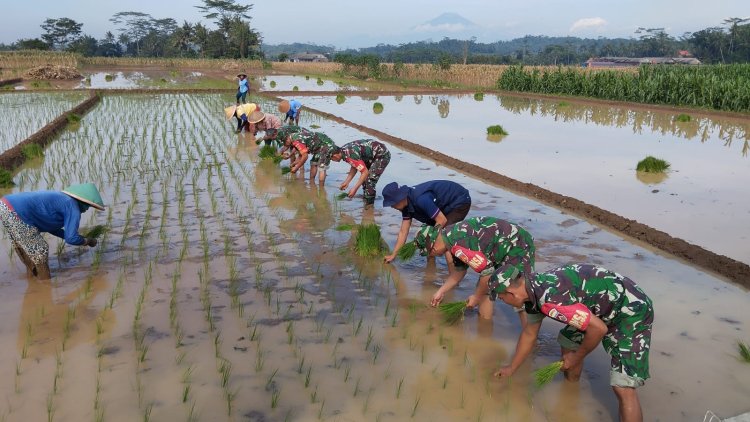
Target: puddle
(590, 153)
(224, 288)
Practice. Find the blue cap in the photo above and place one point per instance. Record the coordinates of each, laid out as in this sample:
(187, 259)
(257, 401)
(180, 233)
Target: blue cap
(393, 194)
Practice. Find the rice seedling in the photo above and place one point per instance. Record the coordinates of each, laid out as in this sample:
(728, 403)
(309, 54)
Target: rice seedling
(496, 130)
(452, 312)
(398, 387)
(32, 151)
(319, 81)
(96, 231)
(377, 108)
(416, 405)
(478, 96)
(744, 351)
(544, 375)
(652, 165)
(682, 118)
(273, 84)
(407, 251)
(275, 396)
(295, 88)
(368, 242)
(340, 98)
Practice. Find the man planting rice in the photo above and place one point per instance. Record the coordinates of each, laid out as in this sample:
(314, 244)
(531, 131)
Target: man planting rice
(437, 202)
(316, 144)
(496, 249)
(26, 215)
(370, 158)
(291, 110)
(597, 305)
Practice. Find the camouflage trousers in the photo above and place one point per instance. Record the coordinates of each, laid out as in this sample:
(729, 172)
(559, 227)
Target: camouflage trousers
(627, 341)
(376, 169)
(518, 261)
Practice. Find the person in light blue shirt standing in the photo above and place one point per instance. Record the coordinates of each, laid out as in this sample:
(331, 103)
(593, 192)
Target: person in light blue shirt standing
(291, 109)
(26, 215)
(242, 88)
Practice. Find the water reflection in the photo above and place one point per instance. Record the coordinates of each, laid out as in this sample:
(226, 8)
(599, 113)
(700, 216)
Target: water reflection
(657, 121)
(444, 107)
(651, 178)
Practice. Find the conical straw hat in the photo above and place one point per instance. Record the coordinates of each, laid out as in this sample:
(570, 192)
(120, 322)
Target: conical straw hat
(256, 116)
(229, 111)
(86, 193)
(284, 106)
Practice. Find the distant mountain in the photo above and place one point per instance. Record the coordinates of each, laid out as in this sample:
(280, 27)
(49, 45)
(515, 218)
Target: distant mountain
(447, 22)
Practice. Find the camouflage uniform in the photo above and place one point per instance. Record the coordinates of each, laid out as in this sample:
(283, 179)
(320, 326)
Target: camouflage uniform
(571, 294)
(317, 144)
(491, 246)
(369, 154)
(279, 135)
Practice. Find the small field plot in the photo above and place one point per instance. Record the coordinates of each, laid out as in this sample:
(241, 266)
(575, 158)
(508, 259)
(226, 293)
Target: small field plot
(303, 83)
(25, 113)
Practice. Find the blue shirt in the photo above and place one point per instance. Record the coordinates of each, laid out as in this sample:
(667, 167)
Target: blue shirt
(294, 107)
(243, 85)
(49, 211)
(426, 200)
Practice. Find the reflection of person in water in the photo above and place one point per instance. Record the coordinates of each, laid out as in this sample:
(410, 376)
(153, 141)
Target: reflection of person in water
(42, 323)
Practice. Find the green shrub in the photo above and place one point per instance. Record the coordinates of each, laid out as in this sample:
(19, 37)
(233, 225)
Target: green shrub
(496, 130)
(377, 108)
(652, 165)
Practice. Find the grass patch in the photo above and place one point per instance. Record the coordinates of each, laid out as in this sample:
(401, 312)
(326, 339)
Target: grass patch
(452, 312)
(683, 118)
(368, 242)
(744, 351)
(340, 98)
(31, 151)
(479, 96)
(407, 251)
(6, 179)
(95, 231)
(544, 375)
(652, 165)
(41, 84)
(377, 108)
(496, 130)
(73, 117)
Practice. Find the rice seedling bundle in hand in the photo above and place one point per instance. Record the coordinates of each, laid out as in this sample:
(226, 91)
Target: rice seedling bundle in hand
(368, 242)
(452, 312)
(95, 231)
(544, 375)
(285, 170)
(269, 152)
(652, 165)
(342, 195)
(407, 251)
(744, 350)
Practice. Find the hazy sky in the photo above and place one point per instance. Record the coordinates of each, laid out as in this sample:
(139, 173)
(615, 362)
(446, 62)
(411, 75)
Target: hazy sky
(367, 23)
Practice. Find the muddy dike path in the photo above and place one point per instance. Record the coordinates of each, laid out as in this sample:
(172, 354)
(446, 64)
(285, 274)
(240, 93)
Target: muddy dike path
(729, 268)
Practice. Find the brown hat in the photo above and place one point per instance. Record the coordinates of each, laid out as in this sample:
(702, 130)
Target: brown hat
(229, 111)
(242, 74)
(256, 116)
(284, 106)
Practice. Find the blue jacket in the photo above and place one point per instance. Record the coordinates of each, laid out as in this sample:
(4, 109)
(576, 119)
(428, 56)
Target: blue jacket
(49, 211)
(425, 200)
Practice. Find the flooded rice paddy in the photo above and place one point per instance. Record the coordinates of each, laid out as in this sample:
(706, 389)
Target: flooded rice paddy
(589, 152)
(303, 83)
(223, 291)
(25, 113)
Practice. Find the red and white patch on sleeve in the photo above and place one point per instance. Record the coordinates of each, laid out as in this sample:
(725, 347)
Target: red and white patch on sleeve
(475, 259)
(357, 164)
(576, 315)
(301, 147)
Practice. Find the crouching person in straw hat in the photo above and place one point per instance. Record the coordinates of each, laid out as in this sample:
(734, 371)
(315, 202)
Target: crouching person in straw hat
(496, 249)
(241, 113)
(291, 110)
(597, 305)
(315, 144)
(370, 158)
(267, 123)
(26, 215)
(437, 202)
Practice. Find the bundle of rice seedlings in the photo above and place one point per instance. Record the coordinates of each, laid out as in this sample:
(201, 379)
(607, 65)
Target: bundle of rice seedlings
(683, 118)
(544, 375)
(744, 352)
(479, 96)
(652, 165)
(340, 98)
(407, 251)
(344, 227)
(269, 152)
(452, 312)
(496, 130)
(368, 242)
(285, 170)
(95, 231)
(342, 195)
(377, 108)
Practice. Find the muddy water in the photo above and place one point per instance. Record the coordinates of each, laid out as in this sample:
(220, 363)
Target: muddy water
(590, 153)
(25, 113)
(223, 291)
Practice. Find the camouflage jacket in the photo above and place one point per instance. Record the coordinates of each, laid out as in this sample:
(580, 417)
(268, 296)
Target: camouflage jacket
(362, 153)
